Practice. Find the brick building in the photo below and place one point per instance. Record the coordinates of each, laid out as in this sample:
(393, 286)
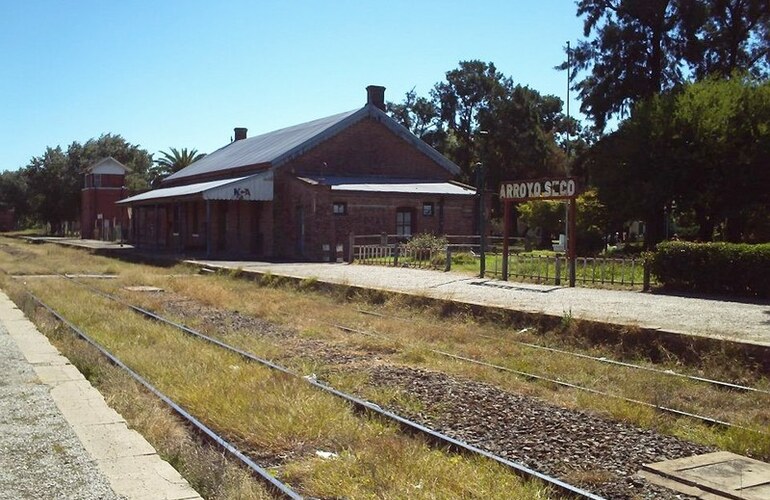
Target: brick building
(105, 184)
(295, 191)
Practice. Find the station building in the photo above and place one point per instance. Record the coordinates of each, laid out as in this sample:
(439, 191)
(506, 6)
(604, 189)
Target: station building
(297, 192)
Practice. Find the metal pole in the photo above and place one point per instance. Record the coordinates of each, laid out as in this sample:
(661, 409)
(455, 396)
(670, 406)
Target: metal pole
(571, 242)
(482, 222)
(506, 223)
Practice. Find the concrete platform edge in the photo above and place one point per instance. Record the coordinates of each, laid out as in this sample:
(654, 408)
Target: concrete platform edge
(143, 474)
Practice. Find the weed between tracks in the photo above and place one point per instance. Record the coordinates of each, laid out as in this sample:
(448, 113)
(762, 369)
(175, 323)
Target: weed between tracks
(276, 414)
(410, 339)
(311, 345)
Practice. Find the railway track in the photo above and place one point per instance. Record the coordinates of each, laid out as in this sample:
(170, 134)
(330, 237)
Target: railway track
(561, 383)
(722, 384)
(728, 386)
(276, 486)
(413, 427)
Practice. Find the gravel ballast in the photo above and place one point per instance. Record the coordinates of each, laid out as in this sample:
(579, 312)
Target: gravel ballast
(40, 455)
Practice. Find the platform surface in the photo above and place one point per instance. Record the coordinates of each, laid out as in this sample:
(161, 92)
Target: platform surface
(718, 475)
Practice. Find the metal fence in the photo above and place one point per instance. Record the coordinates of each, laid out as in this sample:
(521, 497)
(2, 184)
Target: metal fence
(463, 253)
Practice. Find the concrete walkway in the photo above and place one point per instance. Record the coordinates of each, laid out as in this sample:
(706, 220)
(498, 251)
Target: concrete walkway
(58, 437)
(722, 319)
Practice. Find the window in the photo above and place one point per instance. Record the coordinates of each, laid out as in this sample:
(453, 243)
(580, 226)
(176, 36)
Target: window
(98, 180)
(427, 209)
(339, 208)
(404, 222)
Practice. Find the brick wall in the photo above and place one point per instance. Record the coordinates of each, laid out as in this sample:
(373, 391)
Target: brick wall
(367, 148)
(95, 201)
(299, 204)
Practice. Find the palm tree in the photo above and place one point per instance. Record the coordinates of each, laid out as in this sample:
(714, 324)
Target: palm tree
(172, 162)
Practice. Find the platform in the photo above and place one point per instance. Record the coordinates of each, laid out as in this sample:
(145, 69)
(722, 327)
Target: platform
(58, 436)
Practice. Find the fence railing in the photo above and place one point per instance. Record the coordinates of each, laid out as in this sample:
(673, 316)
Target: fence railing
(462, 254)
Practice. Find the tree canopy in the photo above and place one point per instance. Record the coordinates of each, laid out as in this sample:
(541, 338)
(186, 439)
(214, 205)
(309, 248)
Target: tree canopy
(703, 150)
(477, 114)
(48, 188)
(634, 49)
(172, 162)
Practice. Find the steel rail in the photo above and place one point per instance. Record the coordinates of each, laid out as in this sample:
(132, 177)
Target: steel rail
(665, 409)
(262, 474)
(367, 406)
(671, 373)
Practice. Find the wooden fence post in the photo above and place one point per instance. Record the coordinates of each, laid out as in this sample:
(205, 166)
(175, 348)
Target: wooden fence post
(351, 244)
(448, 263)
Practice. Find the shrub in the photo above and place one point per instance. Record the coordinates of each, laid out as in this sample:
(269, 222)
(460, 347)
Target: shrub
(738, 269)
(426, 246)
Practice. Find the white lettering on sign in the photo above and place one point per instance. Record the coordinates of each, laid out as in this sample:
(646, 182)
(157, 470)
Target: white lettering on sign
(544, 189)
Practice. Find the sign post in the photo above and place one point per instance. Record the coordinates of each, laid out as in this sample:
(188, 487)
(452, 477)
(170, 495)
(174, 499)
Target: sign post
(564, 188)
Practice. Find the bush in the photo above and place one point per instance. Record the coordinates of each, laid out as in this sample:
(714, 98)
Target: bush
(738, 269)
(426, 246)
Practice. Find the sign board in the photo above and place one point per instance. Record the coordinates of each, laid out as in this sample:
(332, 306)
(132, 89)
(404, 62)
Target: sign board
(564, 188)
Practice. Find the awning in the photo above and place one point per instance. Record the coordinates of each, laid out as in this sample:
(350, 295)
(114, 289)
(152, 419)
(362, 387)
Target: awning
(258, 187)
(381, 185)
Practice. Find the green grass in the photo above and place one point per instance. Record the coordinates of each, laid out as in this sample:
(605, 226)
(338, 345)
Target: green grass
(540, 267)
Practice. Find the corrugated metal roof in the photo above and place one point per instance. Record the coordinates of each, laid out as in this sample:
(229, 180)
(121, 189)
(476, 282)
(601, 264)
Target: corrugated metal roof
(275, 148)
(383, 185)
(265, 148)
(257, 187)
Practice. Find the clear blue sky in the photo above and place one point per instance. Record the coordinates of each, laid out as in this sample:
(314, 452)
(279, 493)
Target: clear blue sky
(184, 73)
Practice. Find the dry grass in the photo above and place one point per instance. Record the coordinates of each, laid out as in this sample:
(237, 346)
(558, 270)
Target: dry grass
(278, 415)
(205, 467)
(422, 328)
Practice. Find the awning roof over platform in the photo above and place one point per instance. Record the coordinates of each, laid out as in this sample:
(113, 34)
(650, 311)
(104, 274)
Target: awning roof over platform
(386, 185)
(258, 187)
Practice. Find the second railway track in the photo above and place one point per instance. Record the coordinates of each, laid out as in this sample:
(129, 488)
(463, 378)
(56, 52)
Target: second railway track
(562, 488)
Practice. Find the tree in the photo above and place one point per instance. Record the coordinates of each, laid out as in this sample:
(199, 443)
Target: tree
(519, 143)
(725, 36)
(635, 49)
(634, 54)
(53, 187)
(172, 162)
(723, 140)
(478, 114)
(13, 194)
(465, 92)
(54, 180)
(633, 167)
(421, 116)
(701, 149)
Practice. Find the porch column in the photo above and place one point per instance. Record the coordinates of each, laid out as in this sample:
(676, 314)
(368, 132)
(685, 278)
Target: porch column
(208, 228)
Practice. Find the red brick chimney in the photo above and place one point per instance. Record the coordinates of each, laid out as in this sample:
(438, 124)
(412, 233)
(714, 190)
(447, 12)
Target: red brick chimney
(375, 95)
(240, 133)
